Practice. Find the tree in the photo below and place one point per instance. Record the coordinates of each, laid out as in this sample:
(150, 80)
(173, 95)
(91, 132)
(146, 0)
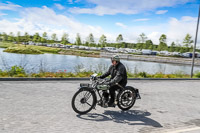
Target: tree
(18, 39)
(27, 37)
(162, 45)
(187, 42)
(177, 47)
(139, 46)
(4, 37)
(54, 37)
(36, 37)
(65, 39)
(102, 41)
(44, 37)
(11, 37)
(148, 45)
(142, 38)
(172, 47)
(78, 39)
(90, 39)
(119, 38)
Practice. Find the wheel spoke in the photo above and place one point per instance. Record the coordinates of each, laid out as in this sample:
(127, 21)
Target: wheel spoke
(88, 104)
(84, 101)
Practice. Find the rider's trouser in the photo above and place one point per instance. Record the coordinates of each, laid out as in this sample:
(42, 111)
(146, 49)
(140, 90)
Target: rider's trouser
(112, 92)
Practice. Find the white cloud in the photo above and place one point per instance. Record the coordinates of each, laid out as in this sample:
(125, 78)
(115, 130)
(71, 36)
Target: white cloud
(142, 19)
(46, 20)
(70, 1)
(8, 6)
(2, 14)
(125, 6)
(179, 28)
(121, 25)
(152, 32)
(73, 1)
(161, 11)
(175, 29)
(100, 10)
(59, 6)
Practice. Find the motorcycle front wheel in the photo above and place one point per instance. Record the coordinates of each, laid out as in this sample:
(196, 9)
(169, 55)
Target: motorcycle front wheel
(83, 101)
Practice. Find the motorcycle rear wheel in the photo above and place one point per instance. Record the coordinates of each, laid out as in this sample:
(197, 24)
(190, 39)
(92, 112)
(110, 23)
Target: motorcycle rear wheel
(126, 99)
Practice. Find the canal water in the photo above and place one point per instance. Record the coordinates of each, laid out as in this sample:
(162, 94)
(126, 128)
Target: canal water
(70, 63)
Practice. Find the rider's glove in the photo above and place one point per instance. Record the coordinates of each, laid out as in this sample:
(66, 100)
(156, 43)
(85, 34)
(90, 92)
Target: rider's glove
(99, 77)
(95, 78)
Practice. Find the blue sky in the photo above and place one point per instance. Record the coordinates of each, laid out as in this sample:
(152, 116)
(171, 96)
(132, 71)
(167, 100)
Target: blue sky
(175, 18)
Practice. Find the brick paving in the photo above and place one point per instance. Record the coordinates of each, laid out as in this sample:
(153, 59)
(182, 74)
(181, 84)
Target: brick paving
(45, 107)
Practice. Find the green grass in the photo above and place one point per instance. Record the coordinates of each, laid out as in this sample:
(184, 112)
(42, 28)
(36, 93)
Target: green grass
(23, 50)
(28, 49)
(81, 52)
(32, 49)
(47, 49)
(6, 45)
(18, 71)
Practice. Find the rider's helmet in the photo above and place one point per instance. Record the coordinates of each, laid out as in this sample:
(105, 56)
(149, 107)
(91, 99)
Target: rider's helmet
(115, 58)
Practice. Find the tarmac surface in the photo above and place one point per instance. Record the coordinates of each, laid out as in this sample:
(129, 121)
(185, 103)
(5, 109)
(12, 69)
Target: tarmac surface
(167, 106)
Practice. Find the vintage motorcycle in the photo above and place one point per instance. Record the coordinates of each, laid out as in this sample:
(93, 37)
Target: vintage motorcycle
(86, 98)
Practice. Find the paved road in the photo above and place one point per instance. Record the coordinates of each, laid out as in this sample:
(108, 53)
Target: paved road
(45, 107)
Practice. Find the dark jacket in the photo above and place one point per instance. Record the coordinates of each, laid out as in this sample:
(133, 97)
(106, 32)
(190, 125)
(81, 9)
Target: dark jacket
(118, 74)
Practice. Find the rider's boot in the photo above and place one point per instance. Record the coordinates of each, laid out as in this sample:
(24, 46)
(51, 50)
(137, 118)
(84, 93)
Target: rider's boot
(111, 103)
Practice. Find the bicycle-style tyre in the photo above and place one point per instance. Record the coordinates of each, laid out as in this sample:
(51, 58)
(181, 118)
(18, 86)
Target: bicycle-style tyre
(83, 101)
(126, 99)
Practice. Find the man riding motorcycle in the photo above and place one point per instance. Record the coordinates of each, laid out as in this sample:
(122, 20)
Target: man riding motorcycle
(118, 75)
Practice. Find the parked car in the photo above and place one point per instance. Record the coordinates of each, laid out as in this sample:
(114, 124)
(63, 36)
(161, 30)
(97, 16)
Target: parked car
(93, 48)
(164, 53)
(81, 47)
(109, 48)
(146, 52)
(187, 55)
(87, 48)
(68, 46)
(198, 55)
(154, 52)
(49, 45)
(74, 47)
(31, 43)
(44, 44)
(114, 51)
(62, 46)
(131, 50)
(176, 53)
(121, 50)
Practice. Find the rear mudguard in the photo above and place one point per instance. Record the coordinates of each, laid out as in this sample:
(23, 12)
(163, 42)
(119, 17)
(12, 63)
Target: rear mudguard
(135, 90)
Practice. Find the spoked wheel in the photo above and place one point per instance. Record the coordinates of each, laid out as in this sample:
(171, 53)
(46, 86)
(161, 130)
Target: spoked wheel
(126, 99)
(83, 101)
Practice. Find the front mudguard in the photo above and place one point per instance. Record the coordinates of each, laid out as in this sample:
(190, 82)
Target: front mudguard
(90, 90)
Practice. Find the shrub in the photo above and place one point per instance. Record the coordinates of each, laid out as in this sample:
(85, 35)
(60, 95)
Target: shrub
(142, 74)
(16, 70)
(197, 75)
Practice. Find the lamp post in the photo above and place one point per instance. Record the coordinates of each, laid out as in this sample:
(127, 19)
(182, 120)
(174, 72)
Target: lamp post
(195, 42)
